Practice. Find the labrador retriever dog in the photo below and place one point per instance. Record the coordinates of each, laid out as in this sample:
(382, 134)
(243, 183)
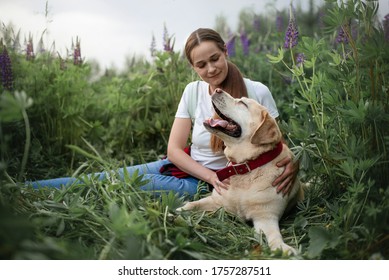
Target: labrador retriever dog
(253, 146)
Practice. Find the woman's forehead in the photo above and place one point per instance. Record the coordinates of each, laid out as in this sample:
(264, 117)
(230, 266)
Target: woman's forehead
(204, 51)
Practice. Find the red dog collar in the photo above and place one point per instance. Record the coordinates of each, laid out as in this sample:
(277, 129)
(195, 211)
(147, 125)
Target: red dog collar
(245, 167)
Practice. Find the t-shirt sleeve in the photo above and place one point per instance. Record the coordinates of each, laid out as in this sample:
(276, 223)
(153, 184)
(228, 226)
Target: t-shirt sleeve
(265, 98)
(183, 106)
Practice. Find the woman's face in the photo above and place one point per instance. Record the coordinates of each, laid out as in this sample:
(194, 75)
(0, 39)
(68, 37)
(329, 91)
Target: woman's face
(210, 63)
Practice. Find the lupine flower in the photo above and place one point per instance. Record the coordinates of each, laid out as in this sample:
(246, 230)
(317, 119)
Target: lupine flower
(16, 43)
(30, 55)
(41, 46)
(291, 35)
(167, 44)
(300, 59)
(257, 25)
(385, 24)
(245, 43)
(279, 23)
(354, 30)
(62, 64)
(153, 47)
(231, 46)
(6, 70)
(77, 60)
(342, 36)
(165, 37)
(321, 18)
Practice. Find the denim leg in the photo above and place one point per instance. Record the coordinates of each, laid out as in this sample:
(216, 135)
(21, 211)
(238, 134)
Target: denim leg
(53, 183)
(156, 182)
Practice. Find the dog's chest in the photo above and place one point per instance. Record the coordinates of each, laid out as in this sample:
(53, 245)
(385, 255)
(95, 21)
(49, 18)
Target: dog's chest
(257, 179)
(250, 190)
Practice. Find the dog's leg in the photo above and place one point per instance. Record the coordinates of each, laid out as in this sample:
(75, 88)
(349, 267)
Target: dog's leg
(272, 232)
(205, 204)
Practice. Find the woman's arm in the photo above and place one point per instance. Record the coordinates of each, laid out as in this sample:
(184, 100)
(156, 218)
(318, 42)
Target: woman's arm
(178, 139)
(285, 181)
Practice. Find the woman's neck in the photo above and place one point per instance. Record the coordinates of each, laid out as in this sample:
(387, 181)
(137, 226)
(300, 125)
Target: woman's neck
(211, 89)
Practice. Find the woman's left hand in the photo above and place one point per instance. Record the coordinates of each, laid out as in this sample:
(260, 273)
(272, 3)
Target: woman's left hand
(285, 181)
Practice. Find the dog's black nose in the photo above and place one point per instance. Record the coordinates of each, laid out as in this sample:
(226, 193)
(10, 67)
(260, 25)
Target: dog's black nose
(218, 90)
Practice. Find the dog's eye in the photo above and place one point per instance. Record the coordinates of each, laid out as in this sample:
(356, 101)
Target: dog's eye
(241, 102)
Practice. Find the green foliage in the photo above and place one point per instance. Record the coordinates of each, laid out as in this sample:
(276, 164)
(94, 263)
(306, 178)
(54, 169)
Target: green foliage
(62, 120)
(343, 104)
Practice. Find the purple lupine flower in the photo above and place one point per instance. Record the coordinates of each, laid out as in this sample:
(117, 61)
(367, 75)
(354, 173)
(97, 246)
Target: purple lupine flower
(153, 46)
(291, 35)
(257, 24)
(245, 43)
(385, 24)
(6, 70)
(342, 36)
(354, 30)
(279, 23)
(167, 41)
(300, 58)
(320, 18)
(30, 55)
(77, 60)
(62, 65)
(231, 50)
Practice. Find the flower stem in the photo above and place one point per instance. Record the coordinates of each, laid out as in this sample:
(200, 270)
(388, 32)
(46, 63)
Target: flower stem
(26, 145)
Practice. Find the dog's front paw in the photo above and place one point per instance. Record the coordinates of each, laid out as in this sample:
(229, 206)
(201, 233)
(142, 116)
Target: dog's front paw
(286, 249)
(186, 206)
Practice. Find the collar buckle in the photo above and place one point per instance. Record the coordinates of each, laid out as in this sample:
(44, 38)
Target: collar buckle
(241, 168)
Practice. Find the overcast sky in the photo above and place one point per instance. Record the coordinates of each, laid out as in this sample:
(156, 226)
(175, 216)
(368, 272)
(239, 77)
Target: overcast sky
(111, 30)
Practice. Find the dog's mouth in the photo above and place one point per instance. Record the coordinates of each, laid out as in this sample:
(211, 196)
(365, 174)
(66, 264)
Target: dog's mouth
(224, 124)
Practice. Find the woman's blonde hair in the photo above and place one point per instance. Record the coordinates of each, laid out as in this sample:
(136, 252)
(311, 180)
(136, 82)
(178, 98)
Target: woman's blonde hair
(233, 83)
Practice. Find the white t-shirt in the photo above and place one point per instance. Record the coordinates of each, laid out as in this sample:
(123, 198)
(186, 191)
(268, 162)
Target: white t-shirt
(200, 149)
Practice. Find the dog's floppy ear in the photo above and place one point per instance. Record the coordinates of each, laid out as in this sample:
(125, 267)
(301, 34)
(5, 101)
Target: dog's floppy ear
(267, 131)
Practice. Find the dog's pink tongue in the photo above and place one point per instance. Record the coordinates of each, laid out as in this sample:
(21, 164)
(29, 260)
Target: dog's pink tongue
(218, 122)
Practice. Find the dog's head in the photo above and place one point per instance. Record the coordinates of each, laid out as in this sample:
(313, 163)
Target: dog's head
(245, 126)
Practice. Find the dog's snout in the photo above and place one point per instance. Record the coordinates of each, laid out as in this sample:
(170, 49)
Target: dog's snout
(218, 90)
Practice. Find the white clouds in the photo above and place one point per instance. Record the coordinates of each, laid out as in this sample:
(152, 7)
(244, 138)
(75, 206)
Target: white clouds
(94, 31)
(110, 30)
(10, 13)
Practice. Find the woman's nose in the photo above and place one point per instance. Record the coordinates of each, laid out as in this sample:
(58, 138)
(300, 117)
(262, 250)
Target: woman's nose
(211, 68)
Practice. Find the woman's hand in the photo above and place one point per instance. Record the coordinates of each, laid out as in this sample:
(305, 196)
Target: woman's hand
(218, 185)
(285, 181)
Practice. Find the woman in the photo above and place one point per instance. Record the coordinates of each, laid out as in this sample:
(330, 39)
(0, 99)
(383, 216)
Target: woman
(207, 53)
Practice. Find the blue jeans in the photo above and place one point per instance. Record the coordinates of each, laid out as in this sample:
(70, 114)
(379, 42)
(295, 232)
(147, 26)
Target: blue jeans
(156, 182)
